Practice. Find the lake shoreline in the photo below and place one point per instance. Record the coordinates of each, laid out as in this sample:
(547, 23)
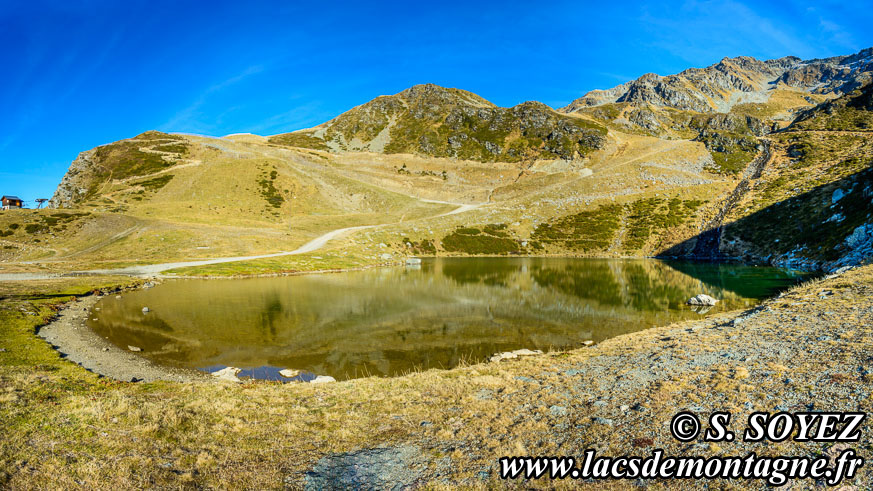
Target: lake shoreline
(806, 349)
(70, 335)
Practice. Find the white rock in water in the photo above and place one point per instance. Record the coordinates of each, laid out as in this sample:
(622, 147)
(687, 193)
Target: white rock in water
(135, 349)
(413, 260)
(701, 300)
(322, 379)
(288, 373)
(228, 374)
(145, 310)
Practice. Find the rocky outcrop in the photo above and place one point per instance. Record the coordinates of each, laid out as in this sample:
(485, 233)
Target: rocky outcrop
(74, 185)
(719, 87)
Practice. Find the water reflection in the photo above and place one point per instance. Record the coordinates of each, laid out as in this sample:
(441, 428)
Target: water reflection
(391, 321)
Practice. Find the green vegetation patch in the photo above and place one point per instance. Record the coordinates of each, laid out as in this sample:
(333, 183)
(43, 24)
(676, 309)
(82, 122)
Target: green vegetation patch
(654, 216)
(731, 152)
(423, 247)
(269, 191)
(493, 240)
(852, 112)
(155, 183)
(55, 222)
(301, 140)
(139, 156)
(585, 231)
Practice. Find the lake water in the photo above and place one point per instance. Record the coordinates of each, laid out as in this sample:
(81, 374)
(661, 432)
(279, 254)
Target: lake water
(395, 320)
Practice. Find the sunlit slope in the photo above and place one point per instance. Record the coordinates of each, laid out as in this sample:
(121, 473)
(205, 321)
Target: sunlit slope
(217, 198)
(439, 171)
(435, 121)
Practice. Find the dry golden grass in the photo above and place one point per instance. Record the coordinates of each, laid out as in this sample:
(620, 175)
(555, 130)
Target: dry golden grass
(64, 427)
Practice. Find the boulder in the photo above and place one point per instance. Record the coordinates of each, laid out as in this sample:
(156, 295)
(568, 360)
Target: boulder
(228, 374)
(701, 299)
(135, 349)
(146, 310)
(289, 373)
(413, 261)
(385, 257)
(322, 379)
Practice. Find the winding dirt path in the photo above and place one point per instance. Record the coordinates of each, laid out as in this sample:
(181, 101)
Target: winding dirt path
(155, 269)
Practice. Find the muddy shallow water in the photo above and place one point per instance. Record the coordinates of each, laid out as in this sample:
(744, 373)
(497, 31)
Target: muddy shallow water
(395, 320)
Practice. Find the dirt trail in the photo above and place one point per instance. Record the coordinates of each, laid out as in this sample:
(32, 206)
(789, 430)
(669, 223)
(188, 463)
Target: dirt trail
(155, 269)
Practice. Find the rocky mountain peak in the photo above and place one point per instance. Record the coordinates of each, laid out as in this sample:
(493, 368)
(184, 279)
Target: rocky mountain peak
(720, 86)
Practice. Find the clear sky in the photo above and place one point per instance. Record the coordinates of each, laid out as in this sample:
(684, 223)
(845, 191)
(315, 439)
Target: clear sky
(77, 74)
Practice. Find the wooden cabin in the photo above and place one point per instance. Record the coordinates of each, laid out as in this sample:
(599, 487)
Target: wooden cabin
(11, 202)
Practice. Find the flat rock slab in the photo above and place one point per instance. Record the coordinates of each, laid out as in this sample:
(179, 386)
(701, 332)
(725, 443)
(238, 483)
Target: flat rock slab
(375, 468)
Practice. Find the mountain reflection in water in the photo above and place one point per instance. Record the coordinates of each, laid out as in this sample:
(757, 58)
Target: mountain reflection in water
(394, 320)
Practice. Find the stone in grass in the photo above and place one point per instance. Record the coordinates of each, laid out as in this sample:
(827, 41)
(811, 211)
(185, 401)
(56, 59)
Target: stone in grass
(135, 349)
(289, 373)
(701, 299)
(508, 355)
(145, 310)
(322, 379)
(558, 410)
(227, 374)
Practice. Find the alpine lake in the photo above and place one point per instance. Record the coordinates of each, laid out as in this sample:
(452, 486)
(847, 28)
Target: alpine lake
(445, 312)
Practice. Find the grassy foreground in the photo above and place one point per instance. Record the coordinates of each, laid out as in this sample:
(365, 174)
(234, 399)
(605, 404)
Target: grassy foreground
(65, 427)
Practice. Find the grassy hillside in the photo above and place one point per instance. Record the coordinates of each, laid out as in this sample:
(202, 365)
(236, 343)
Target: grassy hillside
(439, 122)
(617, 179)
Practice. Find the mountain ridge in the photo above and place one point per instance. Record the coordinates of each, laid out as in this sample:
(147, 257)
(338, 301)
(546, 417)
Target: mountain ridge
(720, 86)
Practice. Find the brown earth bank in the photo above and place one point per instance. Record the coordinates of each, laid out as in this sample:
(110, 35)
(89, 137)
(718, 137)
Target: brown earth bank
(64, 426)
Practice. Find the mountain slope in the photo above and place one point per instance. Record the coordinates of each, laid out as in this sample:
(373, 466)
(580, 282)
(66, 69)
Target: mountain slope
(439, 122)
(785, 181)
(732, 81)
(811, 206)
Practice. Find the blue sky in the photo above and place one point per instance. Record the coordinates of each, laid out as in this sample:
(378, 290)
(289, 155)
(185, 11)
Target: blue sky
(77, 74)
